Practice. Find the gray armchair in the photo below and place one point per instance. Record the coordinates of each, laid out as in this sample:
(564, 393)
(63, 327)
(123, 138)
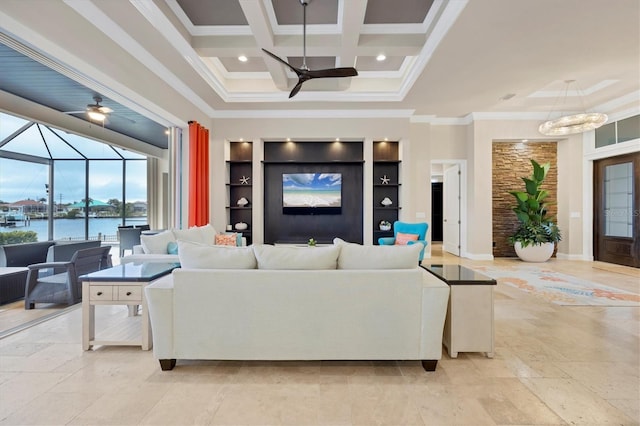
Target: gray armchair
(128, 237)
(64, 287)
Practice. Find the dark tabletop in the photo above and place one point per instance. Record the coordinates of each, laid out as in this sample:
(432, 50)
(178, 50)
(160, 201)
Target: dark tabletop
(458, 275)
(132, 272)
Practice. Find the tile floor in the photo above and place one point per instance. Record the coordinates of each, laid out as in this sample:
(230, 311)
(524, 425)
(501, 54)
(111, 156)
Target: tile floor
(554, 365)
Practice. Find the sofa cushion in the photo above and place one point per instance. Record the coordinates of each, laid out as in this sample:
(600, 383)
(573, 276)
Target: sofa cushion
(272, 257)
(356, 256)
(156, 244)
(205, 256)
(197, 234)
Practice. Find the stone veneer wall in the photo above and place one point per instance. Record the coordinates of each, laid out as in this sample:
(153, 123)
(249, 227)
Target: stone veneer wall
(511, 162)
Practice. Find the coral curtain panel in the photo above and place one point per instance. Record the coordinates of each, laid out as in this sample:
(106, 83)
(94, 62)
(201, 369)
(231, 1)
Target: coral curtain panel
(198, 174)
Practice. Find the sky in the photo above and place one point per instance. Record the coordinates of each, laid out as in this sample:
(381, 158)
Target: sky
(316, 181)
(20, 180)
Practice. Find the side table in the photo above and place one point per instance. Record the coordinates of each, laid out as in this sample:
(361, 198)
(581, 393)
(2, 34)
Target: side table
(469, 325)
(120, 285)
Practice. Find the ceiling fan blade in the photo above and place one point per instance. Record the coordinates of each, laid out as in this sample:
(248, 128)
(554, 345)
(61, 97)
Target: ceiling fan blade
(105, 109)
(332, 72)
(74, 112)
(294, 69)
(296, 89)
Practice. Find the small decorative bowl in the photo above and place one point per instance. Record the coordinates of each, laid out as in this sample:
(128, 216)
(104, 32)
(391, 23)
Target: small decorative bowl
(241, 226)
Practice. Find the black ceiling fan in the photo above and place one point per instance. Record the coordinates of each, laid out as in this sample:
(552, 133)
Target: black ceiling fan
(304, 73)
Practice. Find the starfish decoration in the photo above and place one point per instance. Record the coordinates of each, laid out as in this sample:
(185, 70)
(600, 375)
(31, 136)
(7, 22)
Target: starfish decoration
(244, 180)
(385, 180)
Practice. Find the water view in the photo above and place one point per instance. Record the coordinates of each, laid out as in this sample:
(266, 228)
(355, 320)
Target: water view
(105, 228)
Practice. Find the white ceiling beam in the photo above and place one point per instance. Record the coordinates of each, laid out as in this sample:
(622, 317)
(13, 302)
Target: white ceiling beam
(256, 15)
(352, 20)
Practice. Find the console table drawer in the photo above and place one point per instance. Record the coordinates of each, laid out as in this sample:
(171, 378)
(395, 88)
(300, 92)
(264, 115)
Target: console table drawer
(101, 292)
(129, 292)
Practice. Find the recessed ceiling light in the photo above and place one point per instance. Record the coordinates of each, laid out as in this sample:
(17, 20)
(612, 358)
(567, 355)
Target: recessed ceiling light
(243, 58)
(381, 57)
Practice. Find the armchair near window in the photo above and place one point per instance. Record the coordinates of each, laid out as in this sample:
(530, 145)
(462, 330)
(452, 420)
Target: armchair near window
(128, 237)
(64, 287)
(407, 229)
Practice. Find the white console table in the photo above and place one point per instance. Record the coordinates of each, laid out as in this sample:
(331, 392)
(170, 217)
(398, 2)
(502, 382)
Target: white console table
(469, 325)
(120, 285)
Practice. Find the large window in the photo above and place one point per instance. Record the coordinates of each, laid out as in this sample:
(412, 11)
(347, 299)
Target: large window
(67, 186)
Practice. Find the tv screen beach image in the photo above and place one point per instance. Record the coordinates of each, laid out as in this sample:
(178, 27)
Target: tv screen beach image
(311, 190)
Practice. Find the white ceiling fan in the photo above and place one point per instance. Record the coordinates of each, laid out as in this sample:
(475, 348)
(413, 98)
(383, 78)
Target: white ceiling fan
(95, 111)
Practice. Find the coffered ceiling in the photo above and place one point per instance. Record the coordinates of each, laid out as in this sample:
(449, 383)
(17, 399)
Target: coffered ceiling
(164, 60)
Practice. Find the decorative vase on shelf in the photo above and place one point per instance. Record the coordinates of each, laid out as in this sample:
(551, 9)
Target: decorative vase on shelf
(385, 226)
(386, 202)
(241, 226)
(242, 202)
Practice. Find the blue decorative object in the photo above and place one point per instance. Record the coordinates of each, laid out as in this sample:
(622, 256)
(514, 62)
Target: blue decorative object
(172, 247)
(408, 228)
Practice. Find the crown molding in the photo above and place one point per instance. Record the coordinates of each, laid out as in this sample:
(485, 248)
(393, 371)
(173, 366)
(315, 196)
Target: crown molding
(631, 98)
(573, 93)
(397, 113)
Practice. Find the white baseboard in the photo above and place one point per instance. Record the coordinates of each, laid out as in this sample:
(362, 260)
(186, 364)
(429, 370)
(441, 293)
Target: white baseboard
(478, 256)
(564, 256)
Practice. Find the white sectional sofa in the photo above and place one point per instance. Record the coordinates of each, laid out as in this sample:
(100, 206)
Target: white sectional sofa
(341, 302)
(162, 247)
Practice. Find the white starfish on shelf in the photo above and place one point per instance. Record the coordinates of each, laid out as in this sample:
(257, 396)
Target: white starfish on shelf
(385, 180)
(244, 180)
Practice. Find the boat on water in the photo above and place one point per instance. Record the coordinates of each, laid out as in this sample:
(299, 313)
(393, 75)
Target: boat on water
(13, 217)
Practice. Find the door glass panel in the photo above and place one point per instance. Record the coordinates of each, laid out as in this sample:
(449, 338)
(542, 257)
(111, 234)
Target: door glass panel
(618, 200)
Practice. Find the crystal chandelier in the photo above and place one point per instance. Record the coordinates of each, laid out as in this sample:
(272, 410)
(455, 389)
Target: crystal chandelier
(575, 123)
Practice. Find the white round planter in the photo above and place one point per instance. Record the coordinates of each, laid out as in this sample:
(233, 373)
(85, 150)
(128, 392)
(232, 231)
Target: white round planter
(534, 252)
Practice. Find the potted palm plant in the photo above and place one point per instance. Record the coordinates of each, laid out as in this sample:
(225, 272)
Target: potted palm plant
(535, 238)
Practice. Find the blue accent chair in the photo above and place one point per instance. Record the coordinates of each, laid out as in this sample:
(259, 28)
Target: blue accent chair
(408, 228)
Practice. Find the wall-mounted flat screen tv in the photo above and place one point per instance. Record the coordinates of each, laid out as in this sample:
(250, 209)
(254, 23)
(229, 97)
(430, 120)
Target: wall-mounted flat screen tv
(311, 193)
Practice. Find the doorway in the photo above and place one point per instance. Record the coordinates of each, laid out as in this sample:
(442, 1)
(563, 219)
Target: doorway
(449, 199)
(616, 215)
(436, 212)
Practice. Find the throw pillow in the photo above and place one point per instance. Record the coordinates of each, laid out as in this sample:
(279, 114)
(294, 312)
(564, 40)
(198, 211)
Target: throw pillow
(172, 247)
(403, 239)
(192, 234)
(226, 240)
(196, 234)
(281, 257)
(203, 256)
(356, 256)
(207, 233)
(156, 244)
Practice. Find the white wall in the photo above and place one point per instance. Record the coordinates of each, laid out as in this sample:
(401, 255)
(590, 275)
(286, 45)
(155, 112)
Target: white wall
(421, 144)
(259, 130)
